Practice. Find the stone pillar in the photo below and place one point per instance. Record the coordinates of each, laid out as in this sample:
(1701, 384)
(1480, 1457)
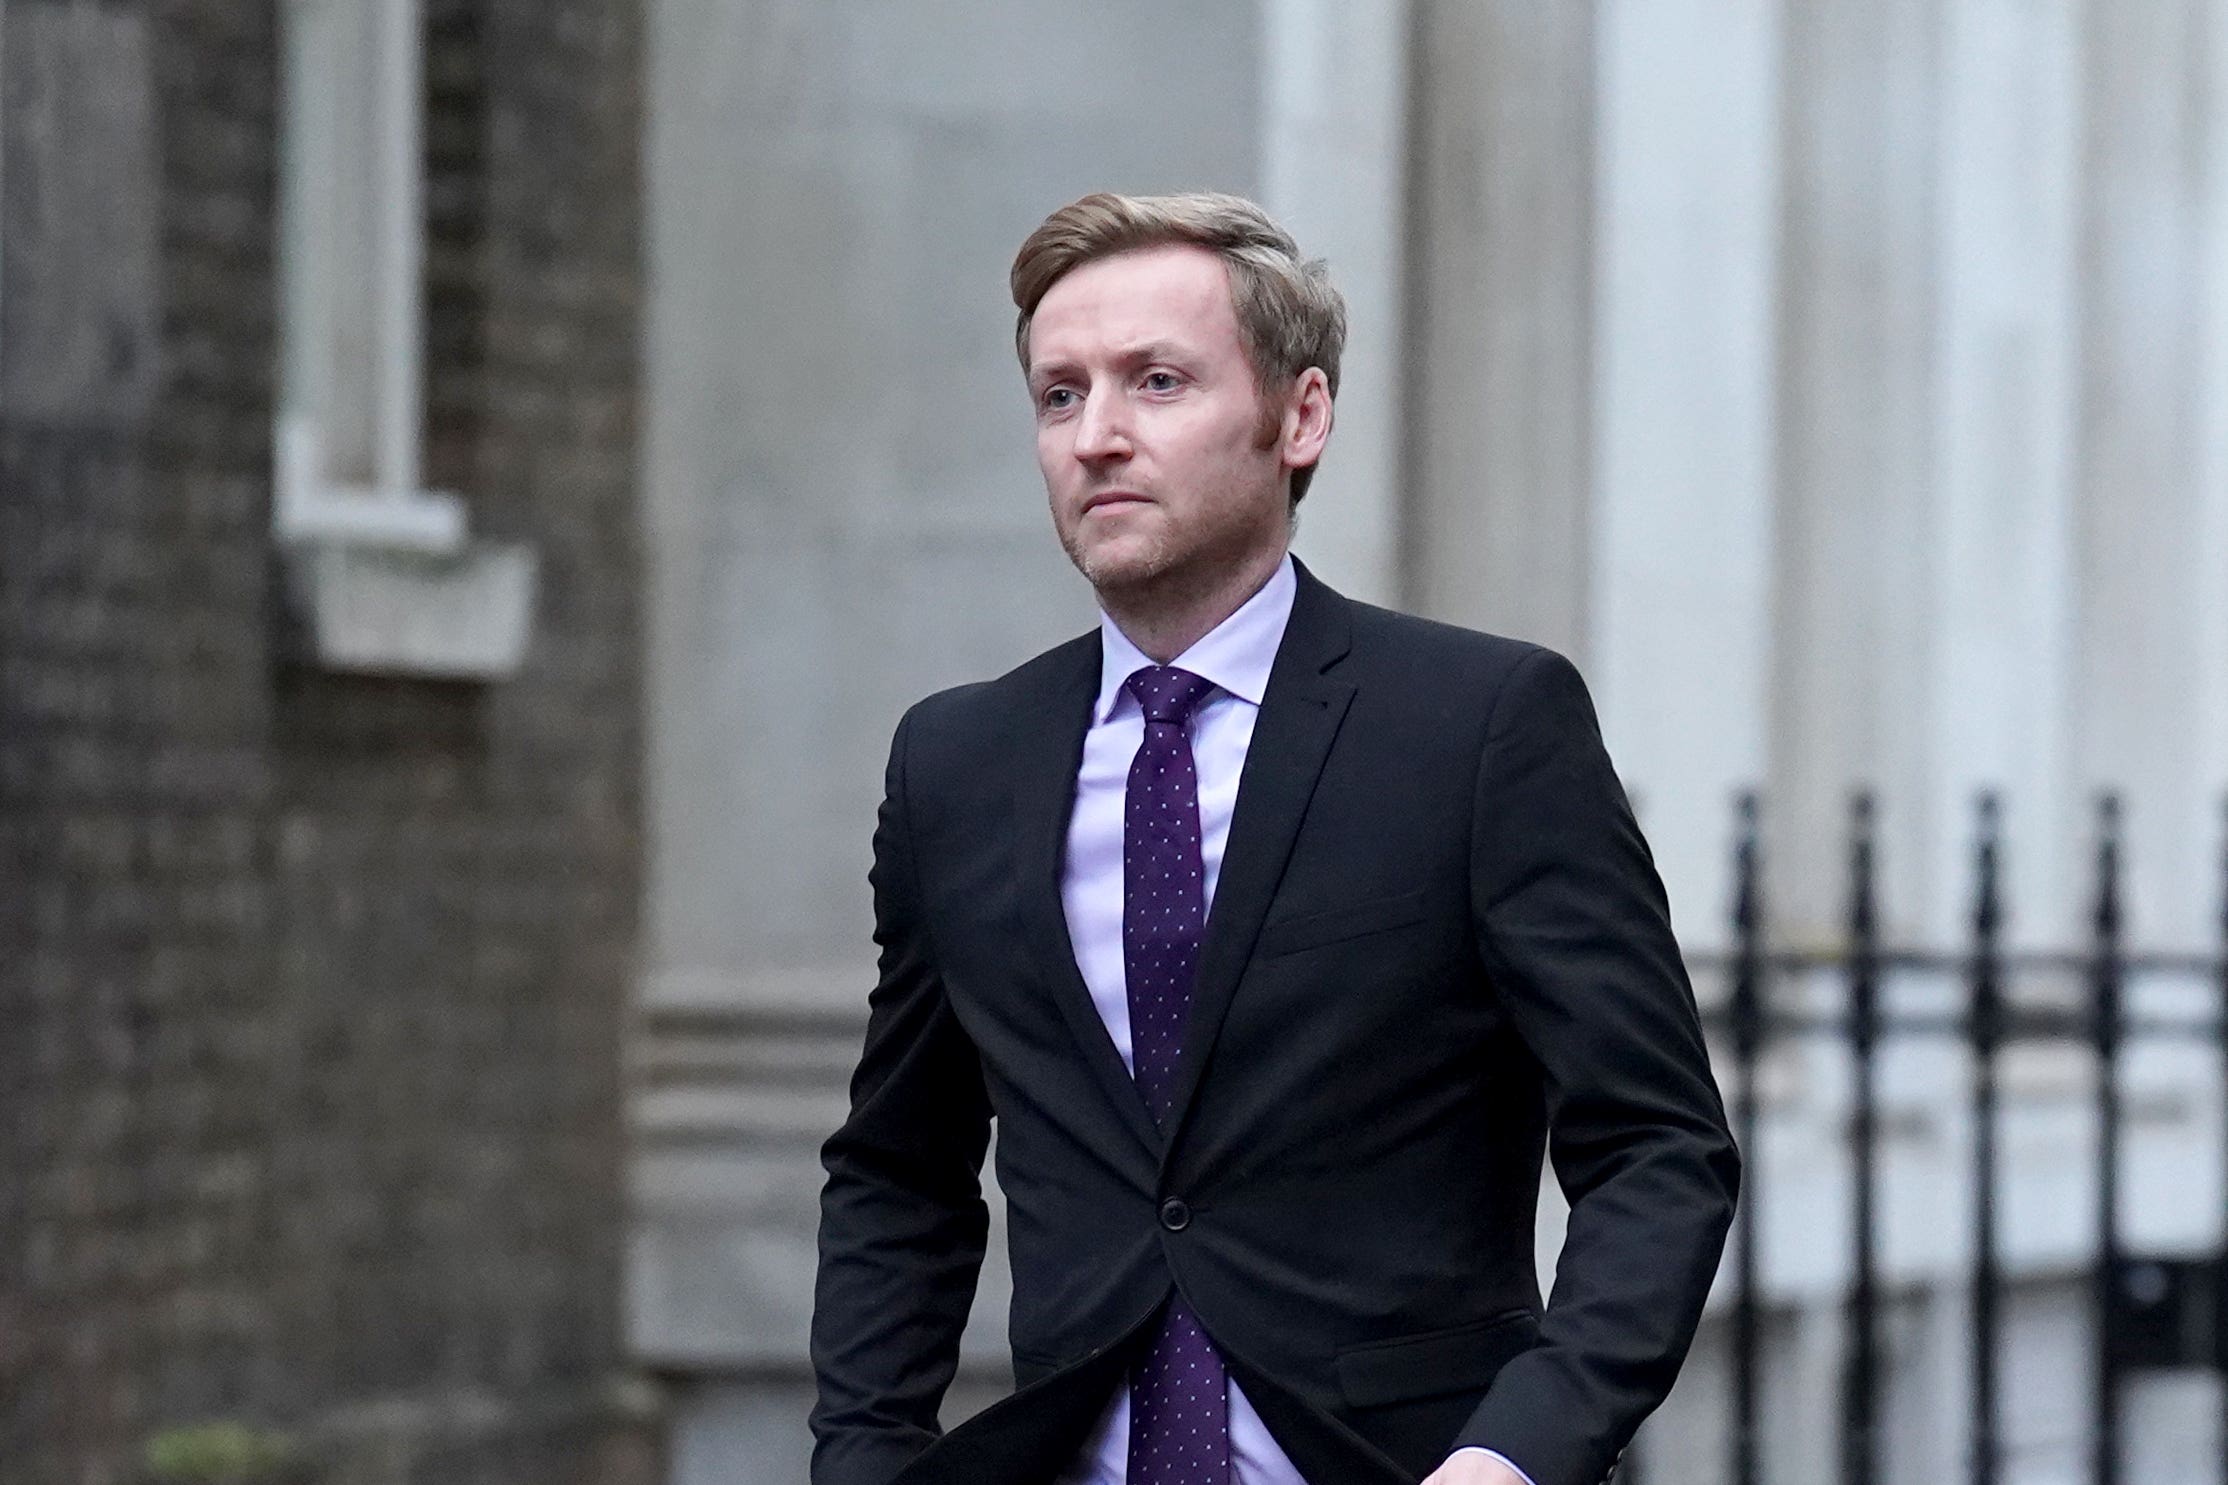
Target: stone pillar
(1998, 554)
(1853, 632)
(1502, 317)
(1334, 169)
(1681, 552)
(2141, 687)
(2212, 480)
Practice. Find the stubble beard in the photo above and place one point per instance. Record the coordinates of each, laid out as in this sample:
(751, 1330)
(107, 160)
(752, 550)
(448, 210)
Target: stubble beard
(1168, 565)
(1125, 573)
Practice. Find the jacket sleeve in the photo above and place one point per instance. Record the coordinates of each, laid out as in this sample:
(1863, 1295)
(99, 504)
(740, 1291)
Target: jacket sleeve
(902, 1219)
(1575, 934)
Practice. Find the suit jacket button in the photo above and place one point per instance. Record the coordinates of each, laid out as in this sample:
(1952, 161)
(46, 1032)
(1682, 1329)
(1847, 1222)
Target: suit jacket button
(1174, 1215)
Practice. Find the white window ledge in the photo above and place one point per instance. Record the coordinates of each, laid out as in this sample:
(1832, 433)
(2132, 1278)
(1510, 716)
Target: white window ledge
(382, 575)
(394, 608)
(390, 582)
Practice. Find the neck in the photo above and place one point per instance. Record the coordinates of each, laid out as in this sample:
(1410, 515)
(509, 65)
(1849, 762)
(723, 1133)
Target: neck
(1168, 616)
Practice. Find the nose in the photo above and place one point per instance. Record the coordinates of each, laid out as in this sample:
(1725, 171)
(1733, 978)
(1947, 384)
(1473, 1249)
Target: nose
(1102, 432)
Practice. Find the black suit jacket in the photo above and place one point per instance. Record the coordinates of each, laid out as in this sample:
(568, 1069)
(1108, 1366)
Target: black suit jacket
(1438, 944)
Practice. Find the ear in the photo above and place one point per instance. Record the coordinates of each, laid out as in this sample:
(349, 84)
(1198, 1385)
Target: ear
(1307, 420)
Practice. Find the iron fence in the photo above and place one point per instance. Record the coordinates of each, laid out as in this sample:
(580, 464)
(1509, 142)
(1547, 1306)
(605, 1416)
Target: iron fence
(2146, 1310)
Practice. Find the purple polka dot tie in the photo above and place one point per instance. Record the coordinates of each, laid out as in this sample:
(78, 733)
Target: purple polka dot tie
(1179, 1428)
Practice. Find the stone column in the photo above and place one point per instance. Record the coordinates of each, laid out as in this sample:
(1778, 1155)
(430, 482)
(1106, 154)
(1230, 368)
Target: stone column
(2213, 469)
(2149, 265)
(1334, 169)
(1682, 499)
(1501, 316)
(1999, 549)
(1853, 632)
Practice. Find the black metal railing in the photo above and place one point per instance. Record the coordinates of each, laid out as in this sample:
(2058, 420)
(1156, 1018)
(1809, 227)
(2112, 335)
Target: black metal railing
(2148, 1311)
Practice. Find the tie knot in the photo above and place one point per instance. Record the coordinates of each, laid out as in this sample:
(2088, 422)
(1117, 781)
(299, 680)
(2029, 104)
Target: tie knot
(1167, 694)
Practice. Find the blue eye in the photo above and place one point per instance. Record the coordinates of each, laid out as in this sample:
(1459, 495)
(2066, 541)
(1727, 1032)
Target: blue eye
(1055, 399)
(1160, 381)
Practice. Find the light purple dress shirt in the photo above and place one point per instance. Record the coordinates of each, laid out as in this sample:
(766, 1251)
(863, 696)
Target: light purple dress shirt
(1236, 656)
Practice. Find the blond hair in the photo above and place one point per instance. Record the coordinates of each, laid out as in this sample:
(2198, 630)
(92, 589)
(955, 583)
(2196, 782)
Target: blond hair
(1289, 316)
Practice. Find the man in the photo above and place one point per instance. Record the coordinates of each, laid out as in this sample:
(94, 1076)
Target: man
(1278, 933)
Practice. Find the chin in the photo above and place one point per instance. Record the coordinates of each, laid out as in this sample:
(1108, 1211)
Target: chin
(1115, 571)
(1124, 562)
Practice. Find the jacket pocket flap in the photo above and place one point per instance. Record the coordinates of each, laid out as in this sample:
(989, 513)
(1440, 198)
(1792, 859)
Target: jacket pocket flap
(1464, 1359)
(1309, 930)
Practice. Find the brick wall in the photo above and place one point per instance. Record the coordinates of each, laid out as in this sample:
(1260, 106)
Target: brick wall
(311, 985)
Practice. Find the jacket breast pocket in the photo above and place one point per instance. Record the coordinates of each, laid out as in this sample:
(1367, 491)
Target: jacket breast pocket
(1335, 925)
(1464, 1359)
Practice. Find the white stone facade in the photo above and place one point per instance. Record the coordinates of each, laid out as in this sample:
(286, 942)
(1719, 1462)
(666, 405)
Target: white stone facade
(1844, 386)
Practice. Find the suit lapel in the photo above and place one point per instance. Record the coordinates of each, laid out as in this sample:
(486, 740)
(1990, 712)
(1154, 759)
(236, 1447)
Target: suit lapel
(1048, 753)
(1301, 710)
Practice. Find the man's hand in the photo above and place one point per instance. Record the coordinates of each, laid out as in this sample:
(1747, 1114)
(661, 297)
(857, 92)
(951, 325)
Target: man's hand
(1472, 1467)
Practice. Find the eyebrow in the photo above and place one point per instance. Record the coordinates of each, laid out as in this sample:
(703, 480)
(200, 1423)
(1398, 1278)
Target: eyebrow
(1151, 350)
(1142, 354)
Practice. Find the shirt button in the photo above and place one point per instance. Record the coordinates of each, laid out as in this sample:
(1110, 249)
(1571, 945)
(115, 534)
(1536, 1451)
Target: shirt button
(1174, 1215)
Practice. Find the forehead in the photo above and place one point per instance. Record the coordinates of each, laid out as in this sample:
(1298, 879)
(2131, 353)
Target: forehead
(1176, 294)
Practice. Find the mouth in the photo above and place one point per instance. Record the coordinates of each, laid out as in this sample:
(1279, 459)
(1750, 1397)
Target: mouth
(1113, 500)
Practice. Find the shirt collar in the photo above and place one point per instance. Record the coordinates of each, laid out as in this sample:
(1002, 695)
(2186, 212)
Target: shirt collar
(1235, 655)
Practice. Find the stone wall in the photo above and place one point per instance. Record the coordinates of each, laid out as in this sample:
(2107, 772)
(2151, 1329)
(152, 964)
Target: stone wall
(312, 986)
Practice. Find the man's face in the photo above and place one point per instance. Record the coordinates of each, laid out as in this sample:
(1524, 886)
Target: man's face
(1149, 422)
